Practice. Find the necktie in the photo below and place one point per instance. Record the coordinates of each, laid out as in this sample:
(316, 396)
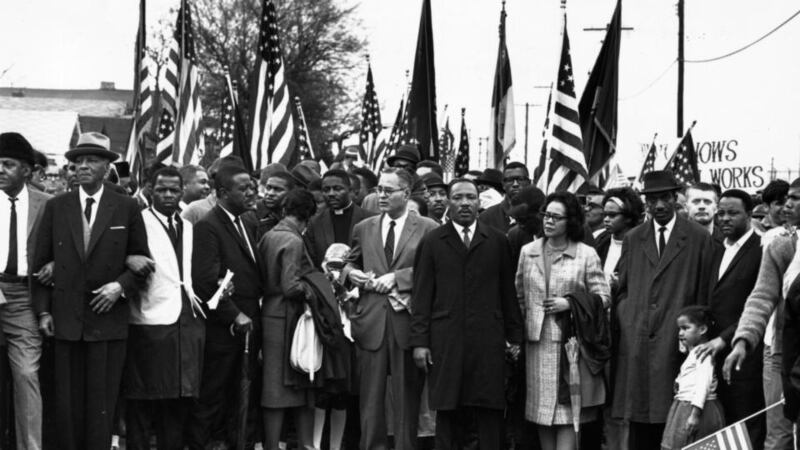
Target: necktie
(87, 212)
(173, 235)
(466, 237)
(661, 241)
(243, 235)
(11, 266)
(388, 247)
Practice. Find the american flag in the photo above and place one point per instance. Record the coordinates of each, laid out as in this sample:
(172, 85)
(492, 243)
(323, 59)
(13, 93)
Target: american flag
(188, 146)
(537, 173)
(370, 120)
(304, 149)
(734, 437)
(683, 163)
(649, 164)
(461, 165)
(166, 136)
(272, 131)
(143, 102)
(567, 169)
(396, 137)
(227, 124)
(446, 142)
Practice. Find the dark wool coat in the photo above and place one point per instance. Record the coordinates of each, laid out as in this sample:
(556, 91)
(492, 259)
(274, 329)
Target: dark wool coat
(465, 309)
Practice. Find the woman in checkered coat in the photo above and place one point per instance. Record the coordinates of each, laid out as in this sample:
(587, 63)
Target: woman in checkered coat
(549, 269)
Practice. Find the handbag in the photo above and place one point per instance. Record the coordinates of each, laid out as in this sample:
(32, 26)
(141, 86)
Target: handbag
(306, 353)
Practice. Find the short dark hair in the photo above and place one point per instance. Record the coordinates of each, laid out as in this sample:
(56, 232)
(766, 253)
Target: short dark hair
(188, 172)
(455, 181)
(230, 160)
(370, 179)
(433, 165)
(225, 174)
(169, 172)
(633, 208)
(422, 205)
(776, 191)
(746, 199)
(340, 174)
(405, 176)
(703, 186)
(795, 184)
(355, 182)
(699, 315)
(315, 185)
(285, 176)
(516, 165)
(299, 203)
(574, 212)
(150, 171)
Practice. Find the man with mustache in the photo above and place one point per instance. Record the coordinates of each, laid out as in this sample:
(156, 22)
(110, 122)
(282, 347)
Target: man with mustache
(665, 266)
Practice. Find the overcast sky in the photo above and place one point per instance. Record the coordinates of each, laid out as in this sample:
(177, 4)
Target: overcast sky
(747, 100)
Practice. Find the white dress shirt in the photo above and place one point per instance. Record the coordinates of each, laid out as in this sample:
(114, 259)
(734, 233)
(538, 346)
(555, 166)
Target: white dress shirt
(399, 223)
(731, 250)
(21, 207)
(670, 225)
(470, 233)
(696, 381)
(82, 195)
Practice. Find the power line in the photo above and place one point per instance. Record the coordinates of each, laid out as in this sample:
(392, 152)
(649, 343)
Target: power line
(652, 83)
(717, 58)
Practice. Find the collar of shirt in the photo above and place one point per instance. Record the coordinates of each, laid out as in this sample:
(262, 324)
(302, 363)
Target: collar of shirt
(164, 219)
(21, 206)
(22, 199)
(670, 225)
(339, 212)
(229, 214)
(83, 196)
(460, 229)
(740, 242)
(399, 223)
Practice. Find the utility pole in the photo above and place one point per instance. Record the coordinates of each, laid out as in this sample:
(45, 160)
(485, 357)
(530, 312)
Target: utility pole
(527, 107)
(680, 67)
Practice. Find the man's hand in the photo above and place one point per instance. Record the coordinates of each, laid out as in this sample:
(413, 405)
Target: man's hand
(107, 296)
(229, 289)
(710, 348)
(140, 265)
(45, 274)
(385, 283)
(46, 326)
(422, 358)
(242, 324)
(735, 359)
(358, 277)
(513, 351)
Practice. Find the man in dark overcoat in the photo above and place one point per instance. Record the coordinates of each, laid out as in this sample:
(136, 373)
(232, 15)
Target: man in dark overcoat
(464, 314)
(88, 235)
(665, 266)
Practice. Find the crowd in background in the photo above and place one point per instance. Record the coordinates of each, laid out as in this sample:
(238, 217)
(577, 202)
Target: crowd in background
(342, 308)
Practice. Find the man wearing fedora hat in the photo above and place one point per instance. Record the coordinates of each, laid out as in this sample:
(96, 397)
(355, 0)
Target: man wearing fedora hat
(85, 240)
(406, 157)
(665, 266)
(20, 299)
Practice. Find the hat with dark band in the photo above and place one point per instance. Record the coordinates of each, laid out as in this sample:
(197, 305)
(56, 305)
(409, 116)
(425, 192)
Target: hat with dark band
(92, 143)
(659, 181)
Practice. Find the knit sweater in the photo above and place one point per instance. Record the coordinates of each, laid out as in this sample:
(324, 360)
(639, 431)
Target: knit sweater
(767, 295)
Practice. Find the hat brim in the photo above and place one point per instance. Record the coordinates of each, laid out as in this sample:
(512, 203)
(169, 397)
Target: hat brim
(391, 160)
(656, 190)
(497, 186)
(97, 151)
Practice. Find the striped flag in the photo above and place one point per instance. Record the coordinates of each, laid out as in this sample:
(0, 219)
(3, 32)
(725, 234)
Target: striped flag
(396, 137)
(567, 165)
(304, 149)
(502, 133)
(446, 143)
(649, 164)
(616, 178)
(232, 138)
(462, 156)
(272, 137)
(142, 102)
(734, 437)
(683, 163)
(370, 120)
(537, 173)
(166, 136)
(188, 146)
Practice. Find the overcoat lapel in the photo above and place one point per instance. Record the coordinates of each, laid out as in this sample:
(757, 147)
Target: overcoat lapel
(72, 207)
(327, 226)
(454, 240)
(409, 229)
(676, 243)
(105, 210)
(478, 237)
(374, 238)
(736, 258)
(649, 244)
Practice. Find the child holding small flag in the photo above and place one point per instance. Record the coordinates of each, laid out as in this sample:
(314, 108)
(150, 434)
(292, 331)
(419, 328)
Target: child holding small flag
(695, 410)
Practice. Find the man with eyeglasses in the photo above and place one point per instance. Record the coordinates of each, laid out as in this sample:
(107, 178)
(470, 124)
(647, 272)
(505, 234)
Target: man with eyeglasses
(763, 319)
(381, 264)
(592, 201)
(665, 266)
(515, 177)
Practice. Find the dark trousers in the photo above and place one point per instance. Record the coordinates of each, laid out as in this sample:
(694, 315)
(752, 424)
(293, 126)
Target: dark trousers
(645, 436)
(740, 399)
(214, 412)
(87, 386)
(452, 426)
(164, 417)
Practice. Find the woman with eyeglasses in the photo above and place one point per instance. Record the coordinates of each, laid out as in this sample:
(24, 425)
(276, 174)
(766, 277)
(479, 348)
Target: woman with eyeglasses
(622, 211)
(562, 293)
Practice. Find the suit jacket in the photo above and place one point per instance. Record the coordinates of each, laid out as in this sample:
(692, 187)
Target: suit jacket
(368, 323)
(727, 296)
(319, 234)
(496, 216)
(217, 249)
(651, 292)
(465, 310)
(36, 201)
(118, 231)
